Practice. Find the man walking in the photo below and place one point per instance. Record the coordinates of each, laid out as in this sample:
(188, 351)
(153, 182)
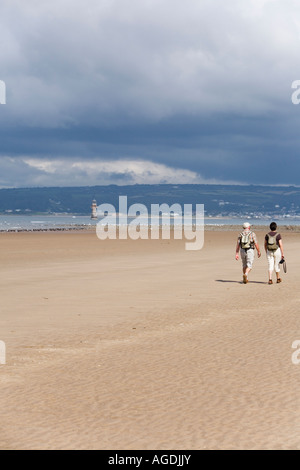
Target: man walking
(246, 244)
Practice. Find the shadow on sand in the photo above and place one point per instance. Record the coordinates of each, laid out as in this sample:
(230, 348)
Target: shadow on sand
(240, 282)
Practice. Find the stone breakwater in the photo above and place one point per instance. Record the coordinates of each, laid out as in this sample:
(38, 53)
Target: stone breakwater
(92, 228)
(48, 229)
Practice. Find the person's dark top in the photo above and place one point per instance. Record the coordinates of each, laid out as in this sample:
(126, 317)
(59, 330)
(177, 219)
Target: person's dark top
(272, 234)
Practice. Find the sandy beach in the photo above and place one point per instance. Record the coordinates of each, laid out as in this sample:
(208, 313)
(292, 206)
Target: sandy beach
(124, 344)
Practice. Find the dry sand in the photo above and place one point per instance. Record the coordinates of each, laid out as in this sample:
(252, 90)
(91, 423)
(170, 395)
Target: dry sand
(143, 345)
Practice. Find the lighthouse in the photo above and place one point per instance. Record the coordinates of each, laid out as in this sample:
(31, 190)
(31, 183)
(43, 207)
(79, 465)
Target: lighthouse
(94, 210)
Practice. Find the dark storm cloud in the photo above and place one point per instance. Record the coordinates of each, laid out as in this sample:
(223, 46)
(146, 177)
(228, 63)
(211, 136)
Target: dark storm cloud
(200, 91)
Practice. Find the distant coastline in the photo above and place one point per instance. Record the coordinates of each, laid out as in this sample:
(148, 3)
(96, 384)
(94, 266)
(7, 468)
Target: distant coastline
(220, 201)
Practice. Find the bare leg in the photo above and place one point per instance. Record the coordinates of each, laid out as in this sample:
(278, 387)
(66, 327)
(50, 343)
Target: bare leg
(246, 271)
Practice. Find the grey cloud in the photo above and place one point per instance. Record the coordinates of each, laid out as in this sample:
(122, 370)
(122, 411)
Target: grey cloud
(203, 86)
(67, 172)
(149, 60)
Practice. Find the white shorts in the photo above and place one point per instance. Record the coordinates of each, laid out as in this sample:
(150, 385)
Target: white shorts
(273, 258)
(247, 257)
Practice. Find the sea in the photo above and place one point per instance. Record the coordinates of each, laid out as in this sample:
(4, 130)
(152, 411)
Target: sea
(17, 223)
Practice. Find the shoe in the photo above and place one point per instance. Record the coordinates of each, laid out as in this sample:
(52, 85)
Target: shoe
(270, 281)
(245, 279)
(278, 280)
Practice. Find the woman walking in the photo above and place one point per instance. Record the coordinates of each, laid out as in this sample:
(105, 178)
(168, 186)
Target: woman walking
(274, 251)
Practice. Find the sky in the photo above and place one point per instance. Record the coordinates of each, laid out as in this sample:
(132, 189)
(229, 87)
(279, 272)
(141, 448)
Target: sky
(149, 91)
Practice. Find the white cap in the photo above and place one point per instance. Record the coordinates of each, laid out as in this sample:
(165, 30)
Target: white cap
(246, 225)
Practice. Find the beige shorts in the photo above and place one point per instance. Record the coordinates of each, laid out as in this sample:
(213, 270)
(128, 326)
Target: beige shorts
(247, 257)
(273, 258)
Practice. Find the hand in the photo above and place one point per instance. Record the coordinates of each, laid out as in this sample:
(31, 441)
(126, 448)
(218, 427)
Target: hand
(237, 256)
(259, 254)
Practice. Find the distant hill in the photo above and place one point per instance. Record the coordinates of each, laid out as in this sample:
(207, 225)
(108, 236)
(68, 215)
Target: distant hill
(218, 199)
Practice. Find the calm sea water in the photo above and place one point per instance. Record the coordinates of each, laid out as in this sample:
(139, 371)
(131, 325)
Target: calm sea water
(52, 222)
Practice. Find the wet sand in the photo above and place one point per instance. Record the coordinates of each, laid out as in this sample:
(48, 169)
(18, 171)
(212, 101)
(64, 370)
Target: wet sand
(124, 344)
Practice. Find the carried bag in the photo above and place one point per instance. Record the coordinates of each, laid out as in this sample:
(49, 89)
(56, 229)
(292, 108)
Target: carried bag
(245, 242)
(271, 243)
(283, 262)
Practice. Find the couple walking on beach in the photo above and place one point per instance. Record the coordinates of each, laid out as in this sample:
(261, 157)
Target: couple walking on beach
(246, 244)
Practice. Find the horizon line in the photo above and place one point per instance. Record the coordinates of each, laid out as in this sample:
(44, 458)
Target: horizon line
(286, 185)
